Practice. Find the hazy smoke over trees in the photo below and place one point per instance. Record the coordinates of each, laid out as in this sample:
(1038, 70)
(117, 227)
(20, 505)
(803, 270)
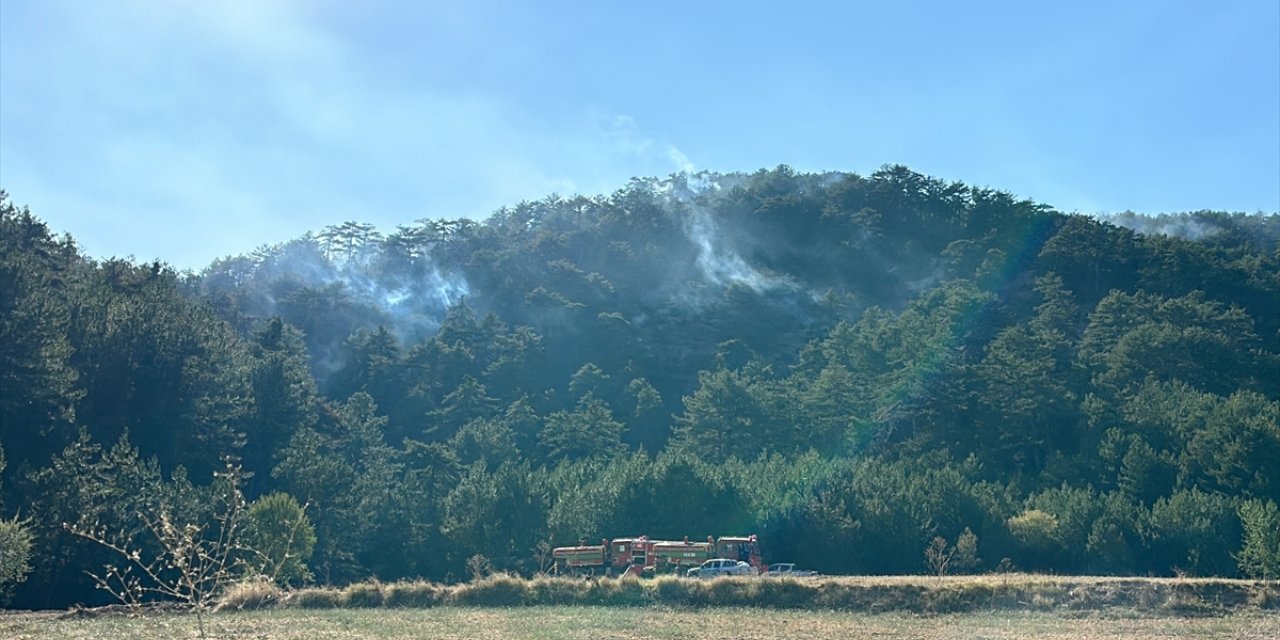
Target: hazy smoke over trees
(836, 361)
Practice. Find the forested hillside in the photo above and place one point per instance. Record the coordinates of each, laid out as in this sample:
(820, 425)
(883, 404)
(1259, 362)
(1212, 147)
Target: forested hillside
(845, 365)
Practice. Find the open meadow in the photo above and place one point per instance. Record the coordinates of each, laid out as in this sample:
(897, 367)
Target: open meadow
(560, 622)
(504, 606)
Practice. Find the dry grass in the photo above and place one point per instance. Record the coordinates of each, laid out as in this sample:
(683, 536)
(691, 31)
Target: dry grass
(874, 594)
(573, 623)
(505, 606)
(251, 595)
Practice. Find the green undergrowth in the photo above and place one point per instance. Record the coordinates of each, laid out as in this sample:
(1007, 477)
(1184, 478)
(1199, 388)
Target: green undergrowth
(923, 595)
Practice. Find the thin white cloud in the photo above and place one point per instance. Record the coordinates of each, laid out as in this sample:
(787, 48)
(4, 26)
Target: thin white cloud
(205, 129)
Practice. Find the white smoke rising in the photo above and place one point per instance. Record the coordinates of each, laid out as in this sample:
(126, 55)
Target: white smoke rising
(718, 260)
(1185, 226)
(409, 296)
(625, 137)
(680, 160)
(415, 305)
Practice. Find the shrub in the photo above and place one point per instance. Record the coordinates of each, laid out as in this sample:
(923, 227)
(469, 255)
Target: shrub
(1192, 532)
(785, 593)
(192, 561)
(363, 595)
(966, 552)
(675, 590)
(1035, 529)
(15, 553)
(417, 594)
(315, 598)
(730, 591)
(478, 567)
(1259, 556)
(280, 539)
(497, 590)
(625, 591)
(941, 558)
(958, 598)
(249, 594)
(545, 590)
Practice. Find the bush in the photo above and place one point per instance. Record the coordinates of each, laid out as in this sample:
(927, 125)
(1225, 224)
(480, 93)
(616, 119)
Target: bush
(363, 595)
(412, 594)
(1037, 532)
(497, 590)
(280, 539)
(627, 591)
(1035, 529)
(674, 590)
(958, 598)
(1192, 532)
(785, 593)
(1259, 556)
(941, 558)
(15, 553)
(315, 598)
(545, 590)
(250, 594)
(966, 552)
(731, 591)
(844, 594)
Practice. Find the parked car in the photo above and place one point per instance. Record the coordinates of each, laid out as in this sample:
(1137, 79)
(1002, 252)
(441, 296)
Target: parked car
(721, 567)
(788, 570)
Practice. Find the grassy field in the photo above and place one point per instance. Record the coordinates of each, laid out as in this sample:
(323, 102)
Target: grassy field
(620, 623)
(867, 594)
(504, 606)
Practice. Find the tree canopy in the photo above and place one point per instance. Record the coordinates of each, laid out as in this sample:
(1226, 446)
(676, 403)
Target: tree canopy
(848, 366)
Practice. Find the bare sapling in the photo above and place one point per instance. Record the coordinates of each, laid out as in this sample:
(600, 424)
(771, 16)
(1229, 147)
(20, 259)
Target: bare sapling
(941, 557)
(190, 563)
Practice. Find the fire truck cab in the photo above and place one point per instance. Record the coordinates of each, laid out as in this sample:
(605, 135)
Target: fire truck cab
(631, 555)
(745, 549)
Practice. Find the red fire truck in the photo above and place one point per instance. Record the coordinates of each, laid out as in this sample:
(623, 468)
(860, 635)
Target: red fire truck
(582, 558)
(746, 549)
(668, 554)
(639, 555)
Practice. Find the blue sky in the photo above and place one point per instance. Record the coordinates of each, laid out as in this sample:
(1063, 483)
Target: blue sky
(187, 130)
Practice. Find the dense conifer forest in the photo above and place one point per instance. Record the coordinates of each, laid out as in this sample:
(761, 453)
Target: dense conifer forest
(847, 366)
